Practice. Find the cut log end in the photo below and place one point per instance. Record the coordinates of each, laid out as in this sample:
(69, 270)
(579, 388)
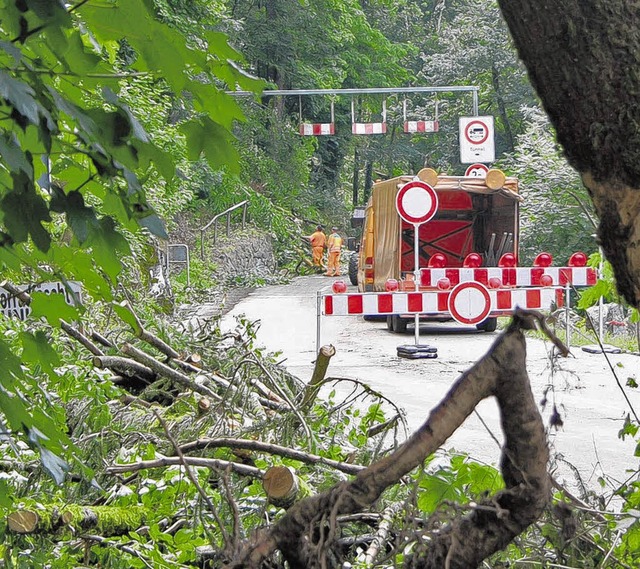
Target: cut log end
(328, 351)
(23, 521)
(281, 486)
(204, 405)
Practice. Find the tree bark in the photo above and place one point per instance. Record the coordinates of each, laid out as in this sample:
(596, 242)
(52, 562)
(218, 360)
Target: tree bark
(582, 58)
(468, 540)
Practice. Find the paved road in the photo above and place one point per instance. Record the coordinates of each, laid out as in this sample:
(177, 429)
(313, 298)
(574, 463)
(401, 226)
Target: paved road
(583, 388)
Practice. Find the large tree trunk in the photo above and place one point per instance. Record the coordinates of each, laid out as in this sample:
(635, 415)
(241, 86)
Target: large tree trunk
(583, 58)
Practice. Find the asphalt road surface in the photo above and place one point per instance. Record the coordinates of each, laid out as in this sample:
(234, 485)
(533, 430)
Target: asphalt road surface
(582, 387)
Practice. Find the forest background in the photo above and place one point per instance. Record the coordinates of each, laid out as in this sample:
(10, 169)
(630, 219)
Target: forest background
(116, 119)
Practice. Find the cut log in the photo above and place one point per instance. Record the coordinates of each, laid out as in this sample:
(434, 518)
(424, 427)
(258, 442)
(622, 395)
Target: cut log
(281, 486)
(125, 366)
(195, 359)
(204, 405)
(107, 520)
(26, 521)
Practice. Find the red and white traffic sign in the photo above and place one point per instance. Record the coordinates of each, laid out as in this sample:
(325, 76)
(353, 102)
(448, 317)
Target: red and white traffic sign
(417, 202)
(469, 303)
(477, 171)
(476, 139)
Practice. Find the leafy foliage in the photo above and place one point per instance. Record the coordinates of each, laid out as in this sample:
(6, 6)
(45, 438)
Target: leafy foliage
(554, 216)
(75, 155)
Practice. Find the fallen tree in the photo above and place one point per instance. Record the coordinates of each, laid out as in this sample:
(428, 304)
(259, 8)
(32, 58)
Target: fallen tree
(306, 534)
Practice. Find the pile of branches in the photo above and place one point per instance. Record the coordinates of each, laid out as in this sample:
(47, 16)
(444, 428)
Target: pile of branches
(274, 473)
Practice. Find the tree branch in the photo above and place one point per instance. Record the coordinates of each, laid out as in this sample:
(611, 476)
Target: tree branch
(277, 450)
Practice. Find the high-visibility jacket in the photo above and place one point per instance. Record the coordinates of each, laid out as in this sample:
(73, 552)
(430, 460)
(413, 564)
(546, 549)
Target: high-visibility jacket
(318, 239)
(335, 243)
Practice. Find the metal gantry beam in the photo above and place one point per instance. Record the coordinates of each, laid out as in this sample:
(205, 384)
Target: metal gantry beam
(365, 91)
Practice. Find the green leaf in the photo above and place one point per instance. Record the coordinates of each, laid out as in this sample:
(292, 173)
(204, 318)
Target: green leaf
(136, 127)
(20, 96)
(629, 428)
(125, 314)
(590, 296)
(5, 494)
(208, 98)
(25, 211)
(109, 246)
(13, 155)
(79, 265)
(159, 48)
(37, 348)
(631, 541)
(163, 161)
(433, 491)
(53, 307)
(12, 51)
(206, 136)
(79, 216)
(77, 58)
(52, 463)
(155, 225)
(52, 13)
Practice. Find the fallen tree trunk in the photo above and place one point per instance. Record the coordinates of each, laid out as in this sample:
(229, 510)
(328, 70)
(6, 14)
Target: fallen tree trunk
(107, 520)
(465, 542)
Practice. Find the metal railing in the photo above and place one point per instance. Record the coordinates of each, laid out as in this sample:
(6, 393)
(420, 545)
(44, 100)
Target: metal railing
(214, 222)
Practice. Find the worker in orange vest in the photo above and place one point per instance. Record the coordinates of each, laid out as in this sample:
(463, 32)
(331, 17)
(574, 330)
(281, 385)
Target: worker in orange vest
(318, 241)
(334, 246)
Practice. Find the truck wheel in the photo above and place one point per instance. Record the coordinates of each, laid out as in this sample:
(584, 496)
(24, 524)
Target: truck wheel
(488, 325)
(398, 324)
(353, 270)
(390, 323)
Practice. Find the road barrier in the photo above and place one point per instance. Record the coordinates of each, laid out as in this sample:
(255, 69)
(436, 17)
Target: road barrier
(467, 295)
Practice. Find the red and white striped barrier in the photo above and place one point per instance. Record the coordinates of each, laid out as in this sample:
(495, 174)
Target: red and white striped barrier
(468, 303)
(369, 128)
(512, 276)
(421, 126)
(317, 129)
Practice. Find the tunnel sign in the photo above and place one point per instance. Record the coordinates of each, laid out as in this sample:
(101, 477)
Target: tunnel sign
(476, 139)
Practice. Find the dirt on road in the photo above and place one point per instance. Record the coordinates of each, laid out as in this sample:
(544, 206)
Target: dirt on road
(588, 391)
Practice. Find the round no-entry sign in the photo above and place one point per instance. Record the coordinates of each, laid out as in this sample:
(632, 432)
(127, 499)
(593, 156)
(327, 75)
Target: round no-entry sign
(417, 202)
(469, 303)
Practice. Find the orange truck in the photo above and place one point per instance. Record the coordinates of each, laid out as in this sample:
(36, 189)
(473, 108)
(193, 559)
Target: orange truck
(467, 256)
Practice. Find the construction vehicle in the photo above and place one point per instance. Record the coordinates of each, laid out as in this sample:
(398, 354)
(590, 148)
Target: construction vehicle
(475, 227)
